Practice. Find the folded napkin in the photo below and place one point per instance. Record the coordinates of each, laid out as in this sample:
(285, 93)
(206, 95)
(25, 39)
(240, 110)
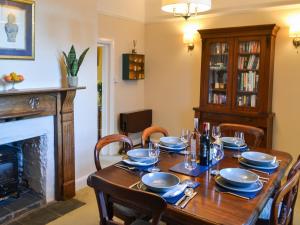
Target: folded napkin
(173, 199)
(269, 171)
(173, 195)
(136, 168)
(250, 195)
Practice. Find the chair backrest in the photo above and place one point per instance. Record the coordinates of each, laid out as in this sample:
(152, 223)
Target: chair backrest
(144, 202)
(294, 168)
(256, 133)
(108, 140)
(286, 196)
(152, 130)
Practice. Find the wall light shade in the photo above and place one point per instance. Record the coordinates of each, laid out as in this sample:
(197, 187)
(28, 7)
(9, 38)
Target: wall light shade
(189, 36)
(185, 8)
(295, 34)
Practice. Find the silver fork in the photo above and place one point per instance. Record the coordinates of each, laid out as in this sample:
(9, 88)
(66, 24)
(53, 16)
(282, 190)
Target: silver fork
(230, 193)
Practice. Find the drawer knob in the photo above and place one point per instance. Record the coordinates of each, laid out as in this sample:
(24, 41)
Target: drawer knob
(34, 102)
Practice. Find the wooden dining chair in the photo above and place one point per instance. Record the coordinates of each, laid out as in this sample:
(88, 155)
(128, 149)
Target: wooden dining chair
(256, 134)
(152, 130)
(279, 211)
(108, 140)
(124, 213)
(145, 202)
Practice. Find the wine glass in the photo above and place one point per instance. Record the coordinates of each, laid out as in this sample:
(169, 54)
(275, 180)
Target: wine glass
(239, 140)
(154, 154)
(216, 132)
(185, 137)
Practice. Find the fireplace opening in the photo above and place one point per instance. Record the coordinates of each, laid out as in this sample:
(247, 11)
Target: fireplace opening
(9, 172)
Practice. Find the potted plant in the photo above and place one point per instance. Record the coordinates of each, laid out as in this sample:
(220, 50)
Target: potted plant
(73, 65)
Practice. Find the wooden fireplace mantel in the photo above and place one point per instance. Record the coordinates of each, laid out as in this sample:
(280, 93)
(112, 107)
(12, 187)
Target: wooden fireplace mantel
(57, 102)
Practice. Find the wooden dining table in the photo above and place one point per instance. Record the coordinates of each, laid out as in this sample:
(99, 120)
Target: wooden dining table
(209, 206)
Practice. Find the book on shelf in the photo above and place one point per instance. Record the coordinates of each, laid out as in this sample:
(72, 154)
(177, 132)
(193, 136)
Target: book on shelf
(219, 48)
(247, 101)
(248, 62)
(217, 98)
(250, 47)
(248, 81)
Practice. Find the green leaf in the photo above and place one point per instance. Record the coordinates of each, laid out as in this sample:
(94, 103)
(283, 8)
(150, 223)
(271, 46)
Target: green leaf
(71, 56)
(66, 63)
(75, 68)
(81, 58)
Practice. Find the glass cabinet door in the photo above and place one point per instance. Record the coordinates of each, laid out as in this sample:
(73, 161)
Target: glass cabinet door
(247, 76)
(218, 73)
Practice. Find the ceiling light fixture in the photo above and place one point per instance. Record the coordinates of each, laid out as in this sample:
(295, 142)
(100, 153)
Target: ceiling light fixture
(185, 8)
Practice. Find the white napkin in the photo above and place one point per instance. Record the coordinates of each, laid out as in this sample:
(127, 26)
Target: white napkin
(175, 191)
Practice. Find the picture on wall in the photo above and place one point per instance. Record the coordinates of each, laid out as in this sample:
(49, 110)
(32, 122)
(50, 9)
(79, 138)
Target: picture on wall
(17, 29)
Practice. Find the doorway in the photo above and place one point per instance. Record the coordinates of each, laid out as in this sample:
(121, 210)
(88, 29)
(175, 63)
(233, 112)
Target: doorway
(105, 87)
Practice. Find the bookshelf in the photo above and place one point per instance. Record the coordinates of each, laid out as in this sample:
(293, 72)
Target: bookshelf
(237, 76)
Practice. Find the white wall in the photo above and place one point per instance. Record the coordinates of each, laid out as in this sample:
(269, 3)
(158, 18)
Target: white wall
(59, 24)
(126, 9)
(129, 95)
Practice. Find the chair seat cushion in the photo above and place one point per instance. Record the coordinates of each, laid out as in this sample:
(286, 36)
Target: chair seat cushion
(120, 211)
(266, 212)
(141, 222)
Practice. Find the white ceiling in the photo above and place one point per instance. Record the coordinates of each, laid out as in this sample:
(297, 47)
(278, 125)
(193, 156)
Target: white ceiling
(149, 10)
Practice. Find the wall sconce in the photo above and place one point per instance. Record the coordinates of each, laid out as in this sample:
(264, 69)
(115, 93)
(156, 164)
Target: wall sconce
(189, 37)
(295, 34)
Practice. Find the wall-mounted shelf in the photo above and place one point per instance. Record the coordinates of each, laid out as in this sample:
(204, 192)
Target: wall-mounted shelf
(133, 67)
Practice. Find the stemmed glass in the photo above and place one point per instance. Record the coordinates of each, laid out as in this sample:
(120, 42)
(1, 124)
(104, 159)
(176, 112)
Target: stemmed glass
(154, 154)
(239, 140)
(218, 152)
(216, 132)
(185, 136)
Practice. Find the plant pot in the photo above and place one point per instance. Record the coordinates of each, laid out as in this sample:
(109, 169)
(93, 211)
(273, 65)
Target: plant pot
(72, 81)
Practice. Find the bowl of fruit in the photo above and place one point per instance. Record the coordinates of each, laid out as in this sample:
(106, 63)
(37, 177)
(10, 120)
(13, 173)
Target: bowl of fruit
(13, 78)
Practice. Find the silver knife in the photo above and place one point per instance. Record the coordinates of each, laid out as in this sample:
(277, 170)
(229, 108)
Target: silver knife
(186, 201)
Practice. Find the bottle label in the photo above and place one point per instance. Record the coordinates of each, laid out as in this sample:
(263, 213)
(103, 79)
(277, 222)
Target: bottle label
(193, 145)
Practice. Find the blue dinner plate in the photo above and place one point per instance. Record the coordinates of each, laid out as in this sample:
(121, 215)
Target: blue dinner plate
(160, 181)
(238, 177)
(269, 167)
(258, 158)
(173, 149)
(139, 154)
(257, 186)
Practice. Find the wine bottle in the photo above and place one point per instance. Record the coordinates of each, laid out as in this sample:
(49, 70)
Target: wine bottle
(205, 159)
(197, 136)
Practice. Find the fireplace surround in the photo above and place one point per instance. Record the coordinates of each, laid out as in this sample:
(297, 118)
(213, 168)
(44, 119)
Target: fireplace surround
(31, 104)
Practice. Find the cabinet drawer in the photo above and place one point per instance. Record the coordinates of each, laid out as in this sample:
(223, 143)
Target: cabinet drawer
(27, 105)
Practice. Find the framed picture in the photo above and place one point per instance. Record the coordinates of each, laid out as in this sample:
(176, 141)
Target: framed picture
(17, 29)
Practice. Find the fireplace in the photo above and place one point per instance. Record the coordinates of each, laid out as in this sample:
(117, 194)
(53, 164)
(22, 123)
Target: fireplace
(9, 171)
(26, 111)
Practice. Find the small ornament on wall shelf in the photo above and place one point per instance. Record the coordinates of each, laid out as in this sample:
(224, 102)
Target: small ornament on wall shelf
(134, 47)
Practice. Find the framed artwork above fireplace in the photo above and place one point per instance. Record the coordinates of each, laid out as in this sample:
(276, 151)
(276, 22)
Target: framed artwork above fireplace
(17, 30)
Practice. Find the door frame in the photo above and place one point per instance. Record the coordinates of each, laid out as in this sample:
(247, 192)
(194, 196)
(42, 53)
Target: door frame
(108, 98)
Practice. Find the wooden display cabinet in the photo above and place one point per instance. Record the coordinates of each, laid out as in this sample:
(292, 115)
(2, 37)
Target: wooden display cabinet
(237, 77)
(133, 67)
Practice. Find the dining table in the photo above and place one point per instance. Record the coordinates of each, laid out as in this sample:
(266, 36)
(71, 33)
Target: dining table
(209, 206)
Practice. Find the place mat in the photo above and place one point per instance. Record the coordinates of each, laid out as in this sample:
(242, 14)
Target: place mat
(249, 195)
(179, 168)
(139, 186)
